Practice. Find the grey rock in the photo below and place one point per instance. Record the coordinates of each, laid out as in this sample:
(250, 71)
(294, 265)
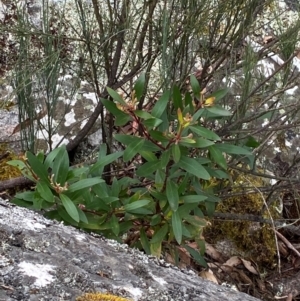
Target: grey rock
(46, 260)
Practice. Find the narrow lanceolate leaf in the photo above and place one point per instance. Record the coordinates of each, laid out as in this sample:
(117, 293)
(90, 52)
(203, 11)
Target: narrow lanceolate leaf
(145, 242)
(115, 226)
(217, 156)
(193, 167)
(204, 132)
(143, 114)
(219, 94)
(70, 207)
(160, 235)
(195, 86)
(195, 198)
(135, 205)
(45, 191)
(196, 255)
(172, 194)
(139, 86)
(177, 99)
(85, 183)
(38, 167)
(160, 105)
(177, 227)
(219, 111)
(105, 160)
(176, 153)
(116, 97)
(121, 117)
(60, 167)
(233, 149)
(148, 168)
(132, 149)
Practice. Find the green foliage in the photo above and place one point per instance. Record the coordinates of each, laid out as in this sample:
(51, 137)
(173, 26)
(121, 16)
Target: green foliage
(165, 200)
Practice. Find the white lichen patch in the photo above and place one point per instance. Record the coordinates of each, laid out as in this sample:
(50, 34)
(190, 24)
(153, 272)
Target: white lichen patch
(70, 118)
(38, 271)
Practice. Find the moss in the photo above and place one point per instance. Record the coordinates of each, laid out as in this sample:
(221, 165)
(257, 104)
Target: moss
(100, 297)
(7, 171)
(253, 240)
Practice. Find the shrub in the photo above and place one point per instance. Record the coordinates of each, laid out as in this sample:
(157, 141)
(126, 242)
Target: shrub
(161, 184)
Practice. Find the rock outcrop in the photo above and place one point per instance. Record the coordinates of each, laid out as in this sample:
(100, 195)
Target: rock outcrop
(42, 259)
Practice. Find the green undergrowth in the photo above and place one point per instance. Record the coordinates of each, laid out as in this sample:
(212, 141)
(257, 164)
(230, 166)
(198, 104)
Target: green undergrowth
(155, 197)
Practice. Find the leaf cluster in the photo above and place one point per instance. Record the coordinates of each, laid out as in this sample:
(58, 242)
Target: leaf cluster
(164, 201)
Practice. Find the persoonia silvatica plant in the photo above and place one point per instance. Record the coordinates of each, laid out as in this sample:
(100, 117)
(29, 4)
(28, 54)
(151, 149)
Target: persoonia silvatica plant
(158, 194)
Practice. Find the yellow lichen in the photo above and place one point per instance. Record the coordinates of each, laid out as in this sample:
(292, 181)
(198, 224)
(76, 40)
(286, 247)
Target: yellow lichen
(100, 297)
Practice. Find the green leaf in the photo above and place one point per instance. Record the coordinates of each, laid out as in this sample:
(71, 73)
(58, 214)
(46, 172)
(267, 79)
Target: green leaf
(177, 227)
(204, 132)
(202, 143)
(140, 86)
(196, 255)
(102, 151)
(60, 167)
(152, 123)
(155, 220)
(116, 96)
(26, 196)
(188, 101)
(103, 161)
(186, 209)
(38, 167)
(159, 136)
(160, 176)
(176, 153)
(195, 86)
(219, 94)
(132, 149)
(159, 236)
(210, 207)
(252, 142)
(196, 220)
(193, 167)
(148, 156)
(172, 194)
(135, 205)
(50, 157)
(148, 168)
(82, 216)
(121, 117)
(143, 114)
(217, 156)
(145, 242)
(85, 183)
(70, 207)
(114, 223)
(160, 105)
(66, 216)
(177, 99)
(195, 198)
(127, 139)
(165, 158)
(45, 191)
(115, 187)
(155, 249)
(233, 149)
(17, 163)
(218, 111)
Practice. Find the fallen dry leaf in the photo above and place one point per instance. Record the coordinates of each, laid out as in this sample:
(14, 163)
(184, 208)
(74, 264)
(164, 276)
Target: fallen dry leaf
(209, 275)
(248, 265)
